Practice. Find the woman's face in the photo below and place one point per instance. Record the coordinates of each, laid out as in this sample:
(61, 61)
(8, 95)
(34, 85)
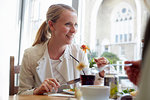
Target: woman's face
(65, 28)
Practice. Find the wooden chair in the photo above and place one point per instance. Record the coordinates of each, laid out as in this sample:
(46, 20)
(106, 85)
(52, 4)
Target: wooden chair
(14, 74)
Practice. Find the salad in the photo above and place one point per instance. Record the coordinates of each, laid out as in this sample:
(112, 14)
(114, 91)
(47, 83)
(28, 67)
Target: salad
(132, 92)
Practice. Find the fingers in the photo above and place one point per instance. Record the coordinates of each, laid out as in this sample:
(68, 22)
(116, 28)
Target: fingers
(95, 60)
(136, 64)
(42, 89)
(47, 86)
(102, 73)
(133, 74)
(101, 61)
(54, 84)
(127, 67)
(128, 62)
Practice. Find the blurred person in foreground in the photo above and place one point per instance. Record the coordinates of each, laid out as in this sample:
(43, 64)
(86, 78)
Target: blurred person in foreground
(48, 64)
(139, 72)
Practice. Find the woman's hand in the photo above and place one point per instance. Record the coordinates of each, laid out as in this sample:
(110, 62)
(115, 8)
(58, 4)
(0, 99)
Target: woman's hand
(133, 71)
(101, 62)
(47, 86)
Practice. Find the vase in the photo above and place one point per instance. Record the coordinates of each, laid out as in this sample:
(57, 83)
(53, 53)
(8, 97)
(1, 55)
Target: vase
(87, 79)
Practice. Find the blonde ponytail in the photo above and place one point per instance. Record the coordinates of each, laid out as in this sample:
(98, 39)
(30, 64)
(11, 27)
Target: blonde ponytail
(42, 34)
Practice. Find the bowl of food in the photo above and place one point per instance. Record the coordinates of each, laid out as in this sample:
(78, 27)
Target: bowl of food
(95, 92)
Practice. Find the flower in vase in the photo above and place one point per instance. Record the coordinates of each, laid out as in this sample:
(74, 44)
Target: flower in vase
(81, 66)
(84, 48)
(91, 59)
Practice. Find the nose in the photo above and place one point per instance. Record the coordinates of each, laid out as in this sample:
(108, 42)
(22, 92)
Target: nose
(73, 29)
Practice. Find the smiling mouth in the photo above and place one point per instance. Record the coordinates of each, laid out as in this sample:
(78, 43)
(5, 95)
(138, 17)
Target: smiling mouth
(70, 37)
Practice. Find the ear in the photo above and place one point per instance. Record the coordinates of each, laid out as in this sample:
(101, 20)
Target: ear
(51, 25)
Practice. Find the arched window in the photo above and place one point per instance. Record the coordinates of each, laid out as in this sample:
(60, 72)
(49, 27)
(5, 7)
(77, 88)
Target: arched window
(122, 24)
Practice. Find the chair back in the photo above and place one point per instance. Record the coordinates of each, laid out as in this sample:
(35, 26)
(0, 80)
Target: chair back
(14, 75)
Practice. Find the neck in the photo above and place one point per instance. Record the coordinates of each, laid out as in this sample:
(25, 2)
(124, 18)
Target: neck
(55, 50)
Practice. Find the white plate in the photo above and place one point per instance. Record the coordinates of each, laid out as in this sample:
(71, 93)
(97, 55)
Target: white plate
(68, 91)
(61, 95)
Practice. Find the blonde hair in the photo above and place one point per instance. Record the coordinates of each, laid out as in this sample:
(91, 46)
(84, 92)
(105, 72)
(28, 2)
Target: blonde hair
(53, 14)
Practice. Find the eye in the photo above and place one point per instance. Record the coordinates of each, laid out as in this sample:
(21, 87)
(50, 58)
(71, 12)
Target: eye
(76, 25)
(68, 24)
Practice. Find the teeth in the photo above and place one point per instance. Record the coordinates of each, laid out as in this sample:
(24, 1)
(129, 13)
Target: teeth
(70, 36)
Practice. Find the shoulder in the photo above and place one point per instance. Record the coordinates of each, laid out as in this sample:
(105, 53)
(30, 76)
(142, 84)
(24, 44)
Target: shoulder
(35, 52)
(37, 48)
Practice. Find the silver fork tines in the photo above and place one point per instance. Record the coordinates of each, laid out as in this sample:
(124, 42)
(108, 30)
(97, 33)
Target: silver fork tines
(72, 81)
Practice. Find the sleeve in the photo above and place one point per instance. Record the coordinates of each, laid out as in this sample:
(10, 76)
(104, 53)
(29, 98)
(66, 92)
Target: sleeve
(98, 80)
(144, 83)
(26, 80)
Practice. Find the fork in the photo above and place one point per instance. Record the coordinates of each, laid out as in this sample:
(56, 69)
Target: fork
(72, 81)
(109, 65)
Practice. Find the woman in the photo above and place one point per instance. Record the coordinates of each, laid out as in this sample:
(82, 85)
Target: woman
(48, 64)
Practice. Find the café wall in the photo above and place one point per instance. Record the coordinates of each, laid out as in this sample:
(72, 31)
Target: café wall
(103, 26)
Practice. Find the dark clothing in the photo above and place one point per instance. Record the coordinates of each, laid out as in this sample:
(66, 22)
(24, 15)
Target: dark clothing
(146, 39)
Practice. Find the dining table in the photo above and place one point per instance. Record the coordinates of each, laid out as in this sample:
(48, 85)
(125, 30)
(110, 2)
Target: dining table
(40, 97)
(43, 97)
(46, 97)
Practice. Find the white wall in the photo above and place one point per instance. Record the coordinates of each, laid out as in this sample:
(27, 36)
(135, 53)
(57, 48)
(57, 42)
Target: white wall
(8, 42)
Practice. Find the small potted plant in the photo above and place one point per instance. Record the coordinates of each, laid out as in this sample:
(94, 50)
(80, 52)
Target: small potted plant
(86, 79)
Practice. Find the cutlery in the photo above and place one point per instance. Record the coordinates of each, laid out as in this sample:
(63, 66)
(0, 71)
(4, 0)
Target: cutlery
(72, 81)
(77, 61)
(74, 58)
(119, 65)
(109, 65)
